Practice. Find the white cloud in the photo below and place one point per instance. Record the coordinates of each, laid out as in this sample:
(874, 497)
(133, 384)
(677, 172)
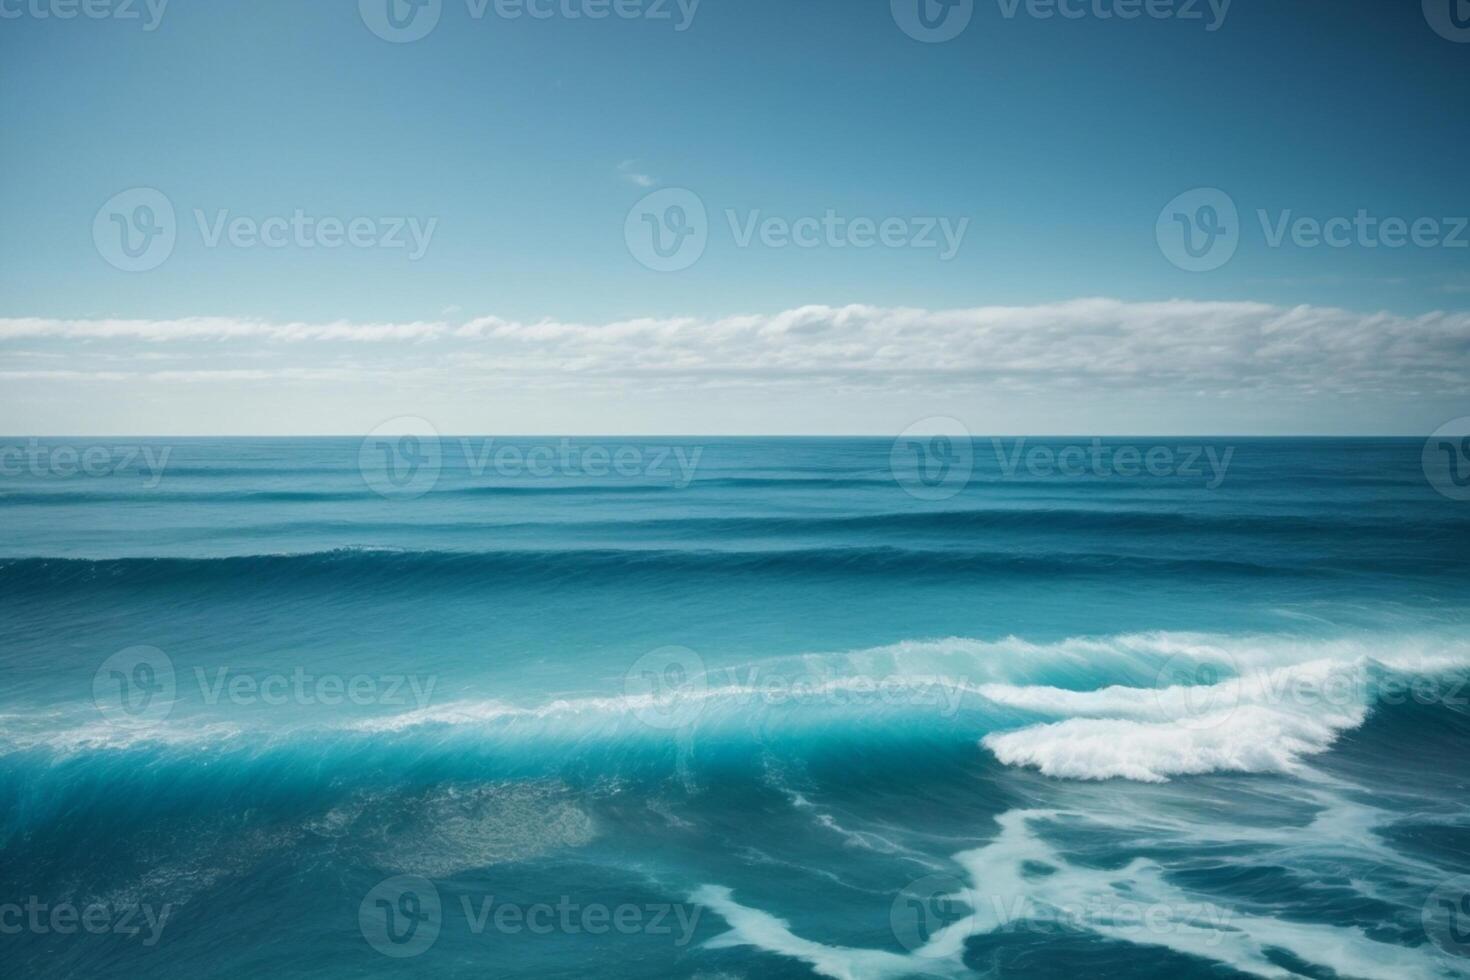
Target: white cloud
(1101, 345)
(212, 328)
(1092, 342)
(630, 171)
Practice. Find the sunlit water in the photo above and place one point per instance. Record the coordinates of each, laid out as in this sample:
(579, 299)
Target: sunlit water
(733, 708)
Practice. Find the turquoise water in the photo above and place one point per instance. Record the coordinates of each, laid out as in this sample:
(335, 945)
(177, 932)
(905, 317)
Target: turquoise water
(732, 708)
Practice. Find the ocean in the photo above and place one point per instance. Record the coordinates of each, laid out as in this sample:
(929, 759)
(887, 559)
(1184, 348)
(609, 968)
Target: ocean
(433, 707)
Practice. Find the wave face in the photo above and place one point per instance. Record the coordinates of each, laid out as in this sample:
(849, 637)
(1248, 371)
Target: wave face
(736, 708)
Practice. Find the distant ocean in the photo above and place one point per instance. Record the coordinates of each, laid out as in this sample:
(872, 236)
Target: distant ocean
(732, 708)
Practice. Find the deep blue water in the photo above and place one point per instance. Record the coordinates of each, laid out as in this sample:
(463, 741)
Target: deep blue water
(732, 708)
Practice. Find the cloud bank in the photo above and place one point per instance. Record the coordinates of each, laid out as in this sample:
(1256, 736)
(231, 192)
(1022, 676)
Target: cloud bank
(1092, 344)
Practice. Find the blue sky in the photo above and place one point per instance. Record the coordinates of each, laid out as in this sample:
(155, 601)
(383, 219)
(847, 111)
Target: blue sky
(521, 145)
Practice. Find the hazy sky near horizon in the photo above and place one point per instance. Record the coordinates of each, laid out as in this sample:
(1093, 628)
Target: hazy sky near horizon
(765, 216)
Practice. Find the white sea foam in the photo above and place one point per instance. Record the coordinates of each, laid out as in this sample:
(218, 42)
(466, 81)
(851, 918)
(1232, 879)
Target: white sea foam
(1106, 711)
(1251, 740)
(1275, 703)
(752, 927)
(1266, 718)
(1135, 904)
(1262, 721)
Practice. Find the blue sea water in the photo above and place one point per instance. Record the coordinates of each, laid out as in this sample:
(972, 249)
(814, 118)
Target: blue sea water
(732, 708)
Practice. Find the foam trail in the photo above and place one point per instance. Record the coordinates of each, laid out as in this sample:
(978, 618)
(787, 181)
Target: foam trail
(1251, 739)
(752, 927)
(1266, 720)
(1283, 700)
(1133, 904)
